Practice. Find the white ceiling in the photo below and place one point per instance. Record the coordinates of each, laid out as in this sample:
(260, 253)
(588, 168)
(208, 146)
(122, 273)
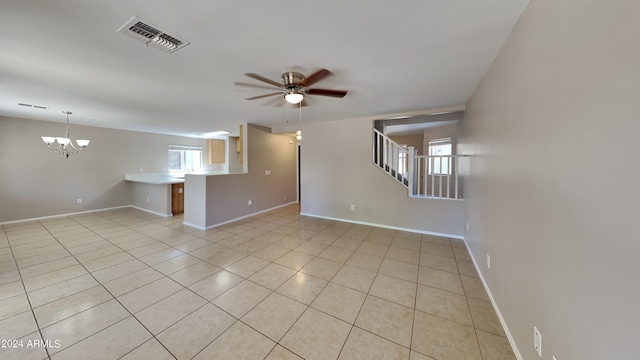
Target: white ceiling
(392, 56)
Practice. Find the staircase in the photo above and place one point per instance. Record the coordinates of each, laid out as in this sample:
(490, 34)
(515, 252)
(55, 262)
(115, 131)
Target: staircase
(424, 176)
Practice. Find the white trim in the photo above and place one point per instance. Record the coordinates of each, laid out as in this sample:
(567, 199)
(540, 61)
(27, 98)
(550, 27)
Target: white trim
(459, 237)
(445, 140)
(238, 218)
(61, 215)
(185, 147)
(194, 226)
(151, 211)
(512, 342)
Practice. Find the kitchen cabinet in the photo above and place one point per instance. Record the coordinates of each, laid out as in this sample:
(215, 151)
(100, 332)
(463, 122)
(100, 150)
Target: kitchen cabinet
(216, 151)
(177, 198)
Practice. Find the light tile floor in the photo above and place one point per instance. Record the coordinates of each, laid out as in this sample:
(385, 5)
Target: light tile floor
(127, 284)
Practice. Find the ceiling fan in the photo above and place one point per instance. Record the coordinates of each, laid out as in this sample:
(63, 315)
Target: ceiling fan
(294, 87)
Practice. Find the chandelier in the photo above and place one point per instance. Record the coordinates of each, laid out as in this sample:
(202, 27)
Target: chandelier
(65, 145)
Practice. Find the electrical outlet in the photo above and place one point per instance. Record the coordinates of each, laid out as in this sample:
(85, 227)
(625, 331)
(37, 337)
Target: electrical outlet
(147, 199)
(267, 172)
(488, 261)
(353, 207)
(249, 203)
(537, 341)
(285, 197)
(467, 226)
(79, 201)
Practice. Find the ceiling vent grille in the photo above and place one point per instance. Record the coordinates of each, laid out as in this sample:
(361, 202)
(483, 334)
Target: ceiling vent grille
(150, 35)
(31, 106)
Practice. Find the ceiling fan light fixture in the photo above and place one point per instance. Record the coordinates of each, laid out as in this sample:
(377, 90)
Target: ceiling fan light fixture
(293, 96)
(294, 87)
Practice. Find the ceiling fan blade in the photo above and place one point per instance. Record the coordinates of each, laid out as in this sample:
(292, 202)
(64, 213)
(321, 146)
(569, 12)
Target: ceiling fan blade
(327, 92)
(263, 96)
(276, 101)
(263, 79)
(255, 86)
(315, 77)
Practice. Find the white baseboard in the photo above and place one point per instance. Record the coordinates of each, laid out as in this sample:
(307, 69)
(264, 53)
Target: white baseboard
(82, 212)
(512, 342)
(238, 218)
(460, 237)
(61, 215)
(194, 225)
(151, 211)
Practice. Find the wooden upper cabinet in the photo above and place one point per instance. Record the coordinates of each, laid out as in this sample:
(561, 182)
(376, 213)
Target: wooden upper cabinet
(216, 151)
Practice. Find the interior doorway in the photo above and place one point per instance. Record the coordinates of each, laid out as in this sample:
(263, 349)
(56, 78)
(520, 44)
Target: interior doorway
(299, 177)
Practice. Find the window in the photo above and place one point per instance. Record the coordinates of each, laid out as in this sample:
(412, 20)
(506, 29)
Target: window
(440, 148)
(185, 158)
(403, 167)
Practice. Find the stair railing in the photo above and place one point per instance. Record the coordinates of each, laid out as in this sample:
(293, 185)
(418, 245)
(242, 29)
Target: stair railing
(391, 157)
(424, 176)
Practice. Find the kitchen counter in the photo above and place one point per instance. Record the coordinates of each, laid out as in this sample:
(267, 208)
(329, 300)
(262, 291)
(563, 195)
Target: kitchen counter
(168, 178)
(155, 178)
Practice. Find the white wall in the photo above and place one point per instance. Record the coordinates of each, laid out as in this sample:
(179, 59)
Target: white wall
(35, 182)
(337, 171)
(552, 122)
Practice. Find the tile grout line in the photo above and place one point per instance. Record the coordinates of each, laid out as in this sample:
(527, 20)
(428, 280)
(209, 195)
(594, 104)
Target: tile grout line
(240, 319)
(140, 322)
(367, 294)
(206, 303)
(309, 306)
(107, 290)
(272, 292)
(415, 303)
(26, 294)
(304, 236)
(473, 321)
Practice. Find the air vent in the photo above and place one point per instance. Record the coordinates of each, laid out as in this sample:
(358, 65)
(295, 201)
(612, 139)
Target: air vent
(151, 35)
(31, 106)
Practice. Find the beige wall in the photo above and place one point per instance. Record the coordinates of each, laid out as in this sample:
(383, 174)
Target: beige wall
(440, 132)
(410, 140)
(226, 196)
(557, 107)
(159, 196)
(35, 182)
(233, 157)
(337, 170)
